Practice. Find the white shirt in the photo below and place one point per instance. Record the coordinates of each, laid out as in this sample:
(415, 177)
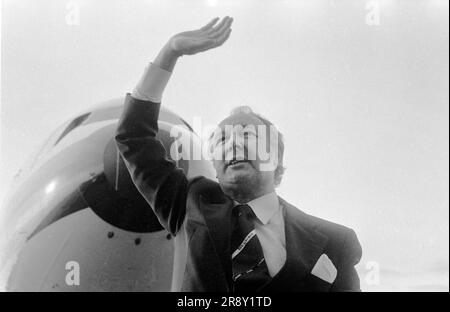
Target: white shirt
(269, 228)
(152, 84)
(270, 224)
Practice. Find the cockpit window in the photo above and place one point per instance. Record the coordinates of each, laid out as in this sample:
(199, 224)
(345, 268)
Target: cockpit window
(54, 138)
(187, 125)
(72, 125)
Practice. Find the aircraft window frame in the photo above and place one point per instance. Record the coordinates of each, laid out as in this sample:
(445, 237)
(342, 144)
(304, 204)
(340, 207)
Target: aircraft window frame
(75, 123)
(54, 138)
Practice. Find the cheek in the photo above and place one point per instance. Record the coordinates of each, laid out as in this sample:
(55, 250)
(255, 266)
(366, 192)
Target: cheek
(217, 153)
(266, 176)
(218, 165)
(258, 150)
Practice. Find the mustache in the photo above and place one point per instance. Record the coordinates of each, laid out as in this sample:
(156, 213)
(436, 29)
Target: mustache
(236, 161)
(237, 155)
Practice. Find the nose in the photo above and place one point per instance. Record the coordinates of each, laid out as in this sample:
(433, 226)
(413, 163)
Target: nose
(234, 147)
(230, 147)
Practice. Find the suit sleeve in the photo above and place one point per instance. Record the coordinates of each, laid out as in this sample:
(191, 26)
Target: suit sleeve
(347, 278)
(158, 179)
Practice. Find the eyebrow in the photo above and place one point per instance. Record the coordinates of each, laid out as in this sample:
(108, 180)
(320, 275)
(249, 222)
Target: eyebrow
(248, 128)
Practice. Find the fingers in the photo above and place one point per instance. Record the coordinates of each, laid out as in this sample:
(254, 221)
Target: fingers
(220, 39)
(210, 24)
(221, 24)
(224, 37)
(220, 28)
(211, 36)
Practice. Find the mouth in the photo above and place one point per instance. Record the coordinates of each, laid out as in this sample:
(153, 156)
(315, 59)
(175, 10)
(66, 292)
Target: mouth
(235, 163)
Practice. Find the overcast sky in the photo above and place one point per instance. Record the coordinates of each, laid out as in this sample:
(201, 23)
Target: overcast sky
(362, 100)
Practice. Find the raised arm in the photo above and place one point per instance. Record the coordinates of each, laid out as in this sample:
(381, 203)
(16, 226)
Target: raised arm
(157, 178)
(191, 42)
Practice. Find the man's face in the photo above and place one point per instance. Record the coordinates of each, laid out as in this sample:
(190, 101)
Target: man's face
(236, 147)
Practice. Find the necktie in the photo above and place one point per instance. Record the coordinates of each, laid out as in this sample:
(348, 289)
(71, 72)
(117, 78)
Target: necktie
(249, 267)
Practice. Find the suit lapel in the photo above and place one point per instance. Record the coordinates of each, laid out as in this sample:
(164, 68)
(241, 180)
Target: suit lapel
(303, 243)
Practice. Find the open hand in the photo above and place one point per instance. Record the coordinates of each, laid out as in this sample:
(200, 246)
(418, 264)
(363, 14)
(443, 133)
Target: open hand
(205, 38)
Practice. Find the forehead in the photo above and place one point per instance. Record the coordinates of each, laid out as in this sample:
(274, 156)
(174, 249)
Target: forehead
(240, 119)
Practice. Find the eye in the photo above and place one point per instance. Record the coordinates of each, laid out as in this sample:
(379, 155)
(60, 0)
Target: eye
(219, 141)
(249, 134)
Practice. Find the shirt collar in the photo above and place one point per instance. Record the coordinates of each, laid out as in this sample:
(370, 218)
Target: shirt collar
(265, 206)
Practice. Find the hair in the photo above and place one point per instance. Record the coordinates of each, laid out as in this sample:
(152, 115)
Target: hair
(279, 171)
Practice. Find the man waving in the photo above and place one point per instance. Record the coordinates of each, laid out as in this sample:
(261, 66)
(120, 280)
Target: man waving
(241, 236)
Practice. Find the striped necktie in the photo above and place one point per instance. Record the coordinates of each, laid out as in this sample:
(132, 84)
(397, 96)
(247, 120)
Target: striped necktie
(249, 267)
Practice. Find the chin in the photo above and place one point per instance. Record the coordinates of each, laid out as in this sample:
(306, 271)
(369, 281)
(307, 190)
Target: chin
(237, 182)
(240, 177)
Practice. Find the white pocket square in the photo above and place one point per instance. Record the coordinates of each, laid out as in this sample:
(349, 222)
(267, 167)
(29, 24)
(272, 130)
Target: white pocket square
(325, 269)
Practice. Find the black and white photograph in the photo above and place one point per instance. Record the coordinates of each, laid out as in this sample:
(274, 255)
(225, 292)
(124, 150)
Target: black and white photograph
(224, 146)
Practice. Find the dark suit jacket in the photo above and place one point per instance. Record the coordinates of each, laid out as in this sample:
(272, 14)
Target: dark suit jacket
(198, 213)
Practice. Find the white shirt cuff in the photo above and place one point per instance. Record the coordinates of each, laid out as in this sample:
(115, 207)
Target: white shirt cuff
(152, 84)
